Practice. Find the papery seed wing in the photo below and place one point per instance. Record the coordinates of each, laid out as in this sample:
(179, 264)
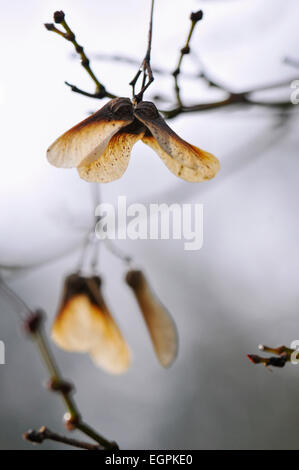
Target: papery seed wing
(204, 164)
(112, 164)
(88, 139)
(160, 324)
(203, 172)
(78, 325)
(112, 352)
(84, 324)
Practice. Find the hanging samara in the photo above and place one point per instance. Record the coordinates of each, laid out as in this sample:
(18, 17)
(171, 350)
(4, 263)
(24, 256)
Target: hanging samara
(100, 146)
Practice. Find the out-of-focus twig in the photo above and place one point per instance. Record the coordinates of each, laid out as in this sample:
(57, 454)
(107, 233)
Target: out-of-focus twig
(283, 354)
(38, 437)
(292, 62)
(103, 57)
(68, 34)
(33, 325)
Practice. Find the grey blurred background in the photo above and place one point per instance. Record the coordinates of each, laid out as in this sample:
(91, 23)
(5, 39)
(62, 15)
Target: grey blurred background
(239, 290)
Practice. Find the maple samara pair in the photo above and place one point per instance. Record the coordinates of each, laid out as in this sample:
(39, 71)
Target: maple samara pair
(100, 146)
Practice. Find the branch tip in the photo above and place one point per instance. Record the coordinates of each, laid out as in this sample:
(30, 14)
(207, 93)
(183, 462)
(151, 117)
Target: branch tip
(196, 16)
(71, 422)
(49, 26)
(59, 16)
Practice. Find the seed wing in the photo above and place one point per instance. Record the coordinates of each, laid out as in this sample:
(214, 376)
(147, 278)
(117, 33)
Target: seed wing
(159, 323)
(88, 139)
(184, 160)
(111, 164)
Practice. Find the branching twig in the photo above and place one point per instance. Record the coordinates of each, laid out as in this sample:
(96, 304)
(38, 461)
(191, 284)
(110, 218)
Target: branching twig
(283, 355)
(68, 34)
(145, 67)
(231, 99)
(195, 18)
(38, 437)
(33, 324)
(73, 418)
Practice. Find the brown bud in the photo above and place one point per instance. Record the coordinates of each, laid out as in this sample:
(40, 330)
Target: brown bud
(79, 49)
(33, 321)
(196, 16)
(254, 358)
(185, 50)
(85, 62)
(36, 437)
(274, 361)
(60, 386)
(49, 26)
(59, 16)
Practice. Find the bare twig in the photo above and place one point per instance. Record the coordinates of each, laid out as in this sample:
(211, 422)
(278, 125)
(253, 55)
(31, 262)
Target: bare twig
(73, 418)
(33, 324)
(103, 57)
(68, 34)
(38, 437)
(145, 67)
(195, 18)
(292, 62)
(283, 355)
(116, 251)
(232, 98)
(244, 98)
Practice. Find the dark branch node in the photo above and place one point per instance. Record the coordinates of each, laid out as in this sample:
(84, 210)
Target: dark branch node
(33, 321)
(62, 386)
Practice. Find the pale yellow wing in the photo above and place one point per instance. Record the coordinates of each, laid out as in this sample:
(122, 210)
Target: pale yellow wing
(202, 172)
(78, 325)
(88, 139)
(112, 353)
(84, 324)
(113, 162)
(184, 160)
(160, 324)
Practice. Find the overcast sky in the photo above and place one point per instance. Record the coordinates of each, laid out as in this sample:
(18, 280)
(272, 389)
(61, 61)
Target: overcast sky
(239, 290)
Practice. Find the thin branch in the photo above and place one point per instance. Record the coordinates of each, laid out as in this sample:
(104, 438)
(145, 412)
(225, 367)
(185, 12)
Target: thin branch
(145, 67)
(73, 420)
(283, 354)
(116, 251)
(68, 34)
(38, 437)
(33, 325)
(232, 98)
(195, 18)
(95, 188)
(12, 295)
(292, 62)
(135, 62)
